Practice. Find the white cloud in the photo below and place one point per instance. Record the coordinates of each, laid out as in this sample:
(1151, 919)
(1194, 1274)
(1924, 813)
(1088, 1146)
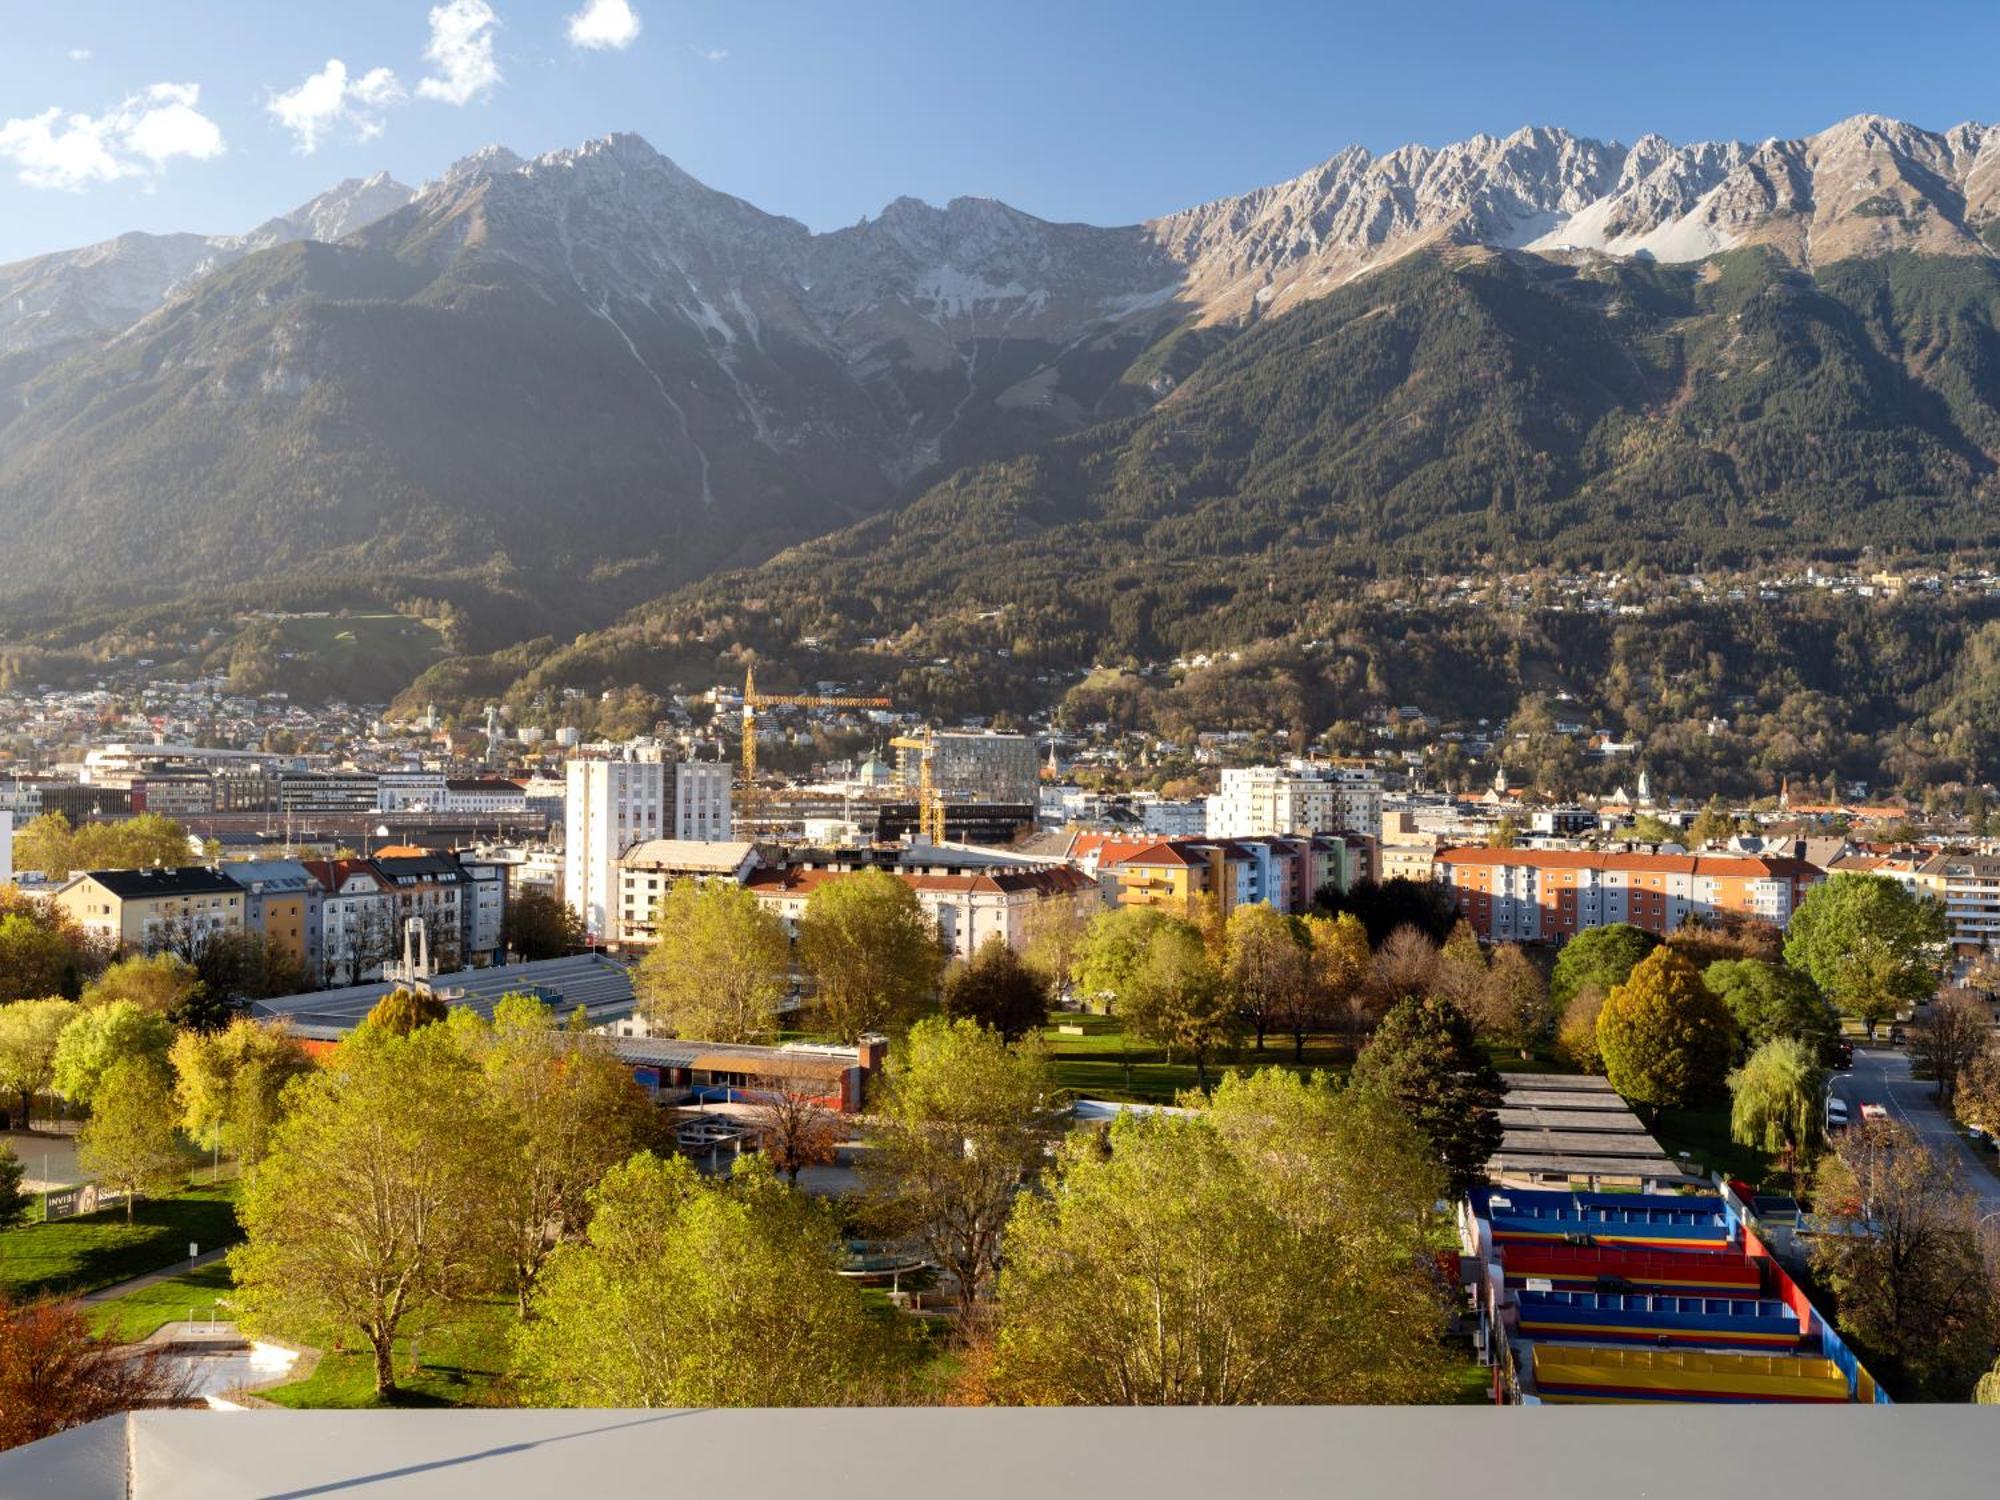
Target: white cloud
(461, 49)
(710, 54)
(604, 24)
(135, 139)
(330, 98)
(81, 54)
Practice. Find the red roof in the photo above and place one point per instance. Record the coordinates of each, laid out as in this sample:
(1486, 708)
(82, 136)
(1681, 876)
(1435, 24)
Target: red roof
(1724, 866)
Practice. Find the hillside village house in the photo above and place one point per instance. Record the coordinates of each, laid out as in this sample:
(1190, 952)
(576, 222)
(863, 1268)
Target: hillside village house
(140, 909)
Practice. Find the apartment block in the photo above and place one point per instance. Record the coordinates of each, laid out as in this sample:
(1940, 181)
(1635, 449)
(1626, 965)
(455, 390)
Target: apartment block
(1550, 895)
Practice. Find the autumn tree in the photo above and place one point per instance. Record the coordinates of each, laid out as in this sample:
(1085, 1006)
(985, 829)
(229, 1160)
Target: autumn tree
(1665, 1038)
(689, 1292)
(1599, 957)
(54, 1374)
(29, 1031)
(1870, 943)
(1976, 1100)
(1910, 1280)
(1510, 1007)
(1460, 968)
(1338, 965)
(97, 1038)
(1271, 1248)
(131, 1141)
(1405, 965)
(1953, 1030)
(1114, 947)
(161, 984)
(1424, 1057)
(798, 1125)
(373, 1205)
(1576, 1033)
(1055, 931)
(1266, 966)
(872, 951)
(403, 1011)
(1777, 1101)
(538, 926)
(1768, 1001)
(227, 1083)
(962, 1119)
(1176, 997)
(43, 949)
(720, 968)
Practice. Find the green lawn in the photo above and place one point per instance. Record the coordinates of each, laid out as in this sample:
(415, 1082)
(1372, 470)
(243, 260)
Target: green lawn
(462, 1362)
(74, 1256)
(1704, 1134)
(137, 1314)
(1105, 1063)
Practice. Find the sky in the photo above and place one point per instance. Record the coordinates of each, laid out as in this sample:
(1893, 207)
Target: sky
(213, 115)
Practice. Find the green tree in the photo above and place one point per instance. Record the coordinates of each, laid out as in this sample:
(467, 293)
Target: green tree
(1714, 824)
(130, 1141)
(689, 1292)
(721, 967)
(403, 1011)
(1177, 998)
(1600, 957)
(373, 1204)
(1777, 1101)
(14, 1203)
(96, 1039)
(1769, 1001)
(996, 989)
(46, 844)
(1424, 1058)
(1666, 1040)
(1266, 966)
(228, 1083)
(1910, 1280)
(538, 926)
(1648, 828)
(1115, 947)
(962, 1120)
(572, 1112)
(1506, 833)
(1511, 1004)
(161, 984)
(1055, 931)
(1269, 1249)
(872, 951)
(29, 1031)
(1576, 1034)
(1870, 944)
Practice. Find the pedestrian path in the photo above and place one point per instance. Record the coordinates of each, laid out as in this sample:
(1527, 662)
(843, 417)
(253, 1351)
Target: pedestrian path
(154, 1278)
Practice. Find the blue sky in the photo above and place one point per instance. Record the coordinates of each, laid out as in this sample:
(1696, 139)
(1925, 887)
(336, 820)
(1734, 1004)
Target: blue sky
(214, 114)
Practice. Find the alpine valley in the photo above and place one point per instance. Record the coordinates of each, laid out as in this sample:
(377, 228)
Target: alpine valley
(605, 425)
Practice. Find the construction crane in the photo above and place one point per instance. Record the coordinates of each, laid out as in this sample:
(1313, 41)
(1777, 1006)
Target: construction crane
(754, 700)
(930, 796)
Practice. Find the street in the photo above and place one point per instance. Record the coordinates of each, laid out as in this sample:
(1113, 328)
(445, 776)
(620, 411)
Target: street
(1881, 1075)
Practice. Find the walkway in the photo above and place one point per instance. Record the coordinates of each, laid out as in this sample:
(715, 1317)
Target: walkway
(154, 1278)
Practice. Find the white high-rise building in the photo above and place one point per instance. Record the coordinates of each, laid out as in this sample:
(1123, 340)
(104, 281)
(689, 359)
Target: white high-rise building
(1257, 801)
(6, 848)
(613, 804)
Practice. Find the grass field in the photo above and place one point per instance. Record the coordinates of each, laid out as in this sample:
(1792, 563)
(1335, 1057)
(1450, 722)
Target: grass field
(1704, 1134)
(138, 1314)
(461, 1362)
(360, 657)
(74, 1256)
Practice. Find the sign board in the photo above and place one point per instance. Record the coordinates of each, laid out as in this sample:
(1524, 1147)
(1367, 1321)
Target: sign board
(72, 1203)
(1540, 1284)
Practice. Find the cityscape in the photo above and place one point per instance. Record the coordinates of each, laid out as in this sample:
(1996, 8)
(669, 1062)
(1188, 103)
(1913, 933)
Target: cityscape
(1109, 846)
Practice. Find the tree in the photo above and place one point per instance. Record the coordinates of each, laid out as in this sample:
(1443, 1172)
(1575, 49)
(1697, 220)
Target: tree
(96, 1039)
(161, 984)
(1870, 944)
(1177, 998)
(872, 952)
(403, 1011)
(1405, 965)
(1460, 967)
(227, 1083)
(372, 1206)
(29, 1031)
(689, 1292)
(1424, 1058)
(1576, 1036)
(1338, 967)
(231, 964)
(1600, 957)
(538, 926)
(1511, 1004)
(1666, 1040)
(1777, 1101)
(996, 989)
(1266, 966)
(797, 1126)
(43, 949)
(962, 1119)
(1649, 828)
(1055, 931)
(570, 1111)
(1115, 947)
(1768, 1001)
(1427, 905)
(1714, 824)
(1506, 833)
(1271, 1248)
(721, 967)
(1910, 1281)
(1728, 935)
(1976, 1101)
(13, 1202)
(1954, 1029)
(130, 1140)
(55, 1375)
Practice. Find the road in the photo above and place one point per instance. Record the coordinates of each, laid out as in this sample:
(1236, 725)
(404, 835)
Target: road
(1881, 1075)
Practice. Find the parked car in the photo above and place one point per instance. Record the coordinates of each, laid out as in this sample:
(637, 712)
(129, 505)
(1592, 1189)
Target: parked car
(1843, 1055)
(1836, 1113)
(1874, 1111)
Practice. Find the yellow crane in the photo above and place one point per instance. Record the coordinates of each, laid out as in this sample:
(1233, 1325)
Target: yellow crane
(930, 796)
(754, 700)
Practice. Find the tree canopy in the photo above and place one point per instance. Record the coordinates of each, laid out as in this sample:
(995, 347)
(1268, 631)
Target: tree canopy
(720, 968)
(997, 989)
(872, 951)
(1599, 957)
(1666, 1040)
(1425, 1058)
(1869, 942)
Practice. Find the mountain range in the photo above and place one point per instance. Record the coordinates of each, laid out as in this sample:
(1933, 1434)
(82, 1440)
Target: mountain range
(589, 380)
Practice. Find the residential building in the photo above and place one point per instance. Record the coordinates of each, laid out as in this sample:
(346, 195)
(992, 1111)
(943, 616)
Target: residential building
(968, 907)
(142, 909)
(701, 800)
(482, 910)
(645, 872)
(611, 805)
(432, 889)
(1970, 887)
(1302, 799)
(357, 924)
(1550, 895)
(282, 903)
